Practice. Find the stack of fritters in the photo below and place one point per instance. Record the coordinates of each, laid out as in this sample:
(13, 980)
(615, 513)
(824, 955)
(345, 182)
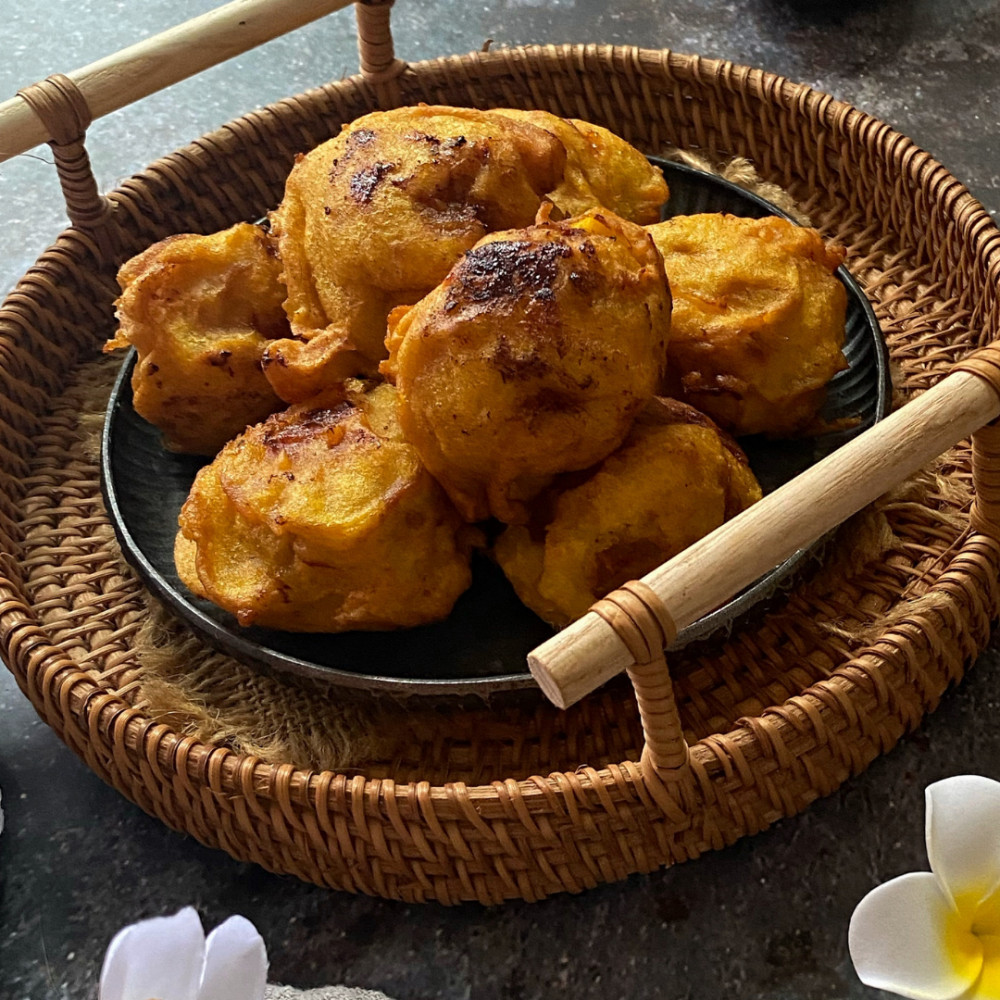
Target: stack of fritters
(376, 217)
(499, 259)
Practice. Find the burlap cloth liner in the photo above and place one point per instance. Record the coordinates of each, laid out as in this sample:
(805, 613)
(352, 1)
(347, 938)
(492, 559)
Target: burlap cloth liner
(103, 618)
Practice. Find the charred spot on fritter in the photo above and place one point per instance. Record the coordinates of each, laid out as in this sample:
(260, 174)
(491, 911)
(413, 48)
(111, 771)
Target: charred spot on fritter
(713, 385)
(444, 183)
(552, 400)
(506, 269)
(417, 136)
(453, 142)
(268, 244)
(364, 182)
(221, 359)
(357, 139)
(518, 366)
(282, 435)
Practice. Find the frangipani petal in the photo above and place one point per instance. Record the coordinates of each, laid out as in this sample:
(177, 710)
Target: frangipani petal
(162, 957)
(235, 963)
(904, 938)
(963, 836)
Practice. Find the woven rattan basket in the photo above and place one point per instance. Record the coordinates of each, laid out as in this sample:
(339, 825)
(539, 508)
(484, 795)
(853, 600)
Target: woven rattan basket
(533, 800)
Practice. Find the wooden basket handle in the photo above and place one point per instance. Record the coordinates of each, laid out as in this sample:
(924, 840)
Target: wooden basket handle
(591, 650)
(58, 110)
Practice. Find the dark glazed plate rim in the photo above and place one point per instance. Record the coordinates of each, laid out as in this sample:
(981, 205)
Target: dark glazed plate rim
(239, 644)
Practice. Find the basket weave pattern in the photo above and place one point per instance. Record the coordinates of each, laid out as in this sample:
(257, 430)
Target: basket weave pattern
(782, 713)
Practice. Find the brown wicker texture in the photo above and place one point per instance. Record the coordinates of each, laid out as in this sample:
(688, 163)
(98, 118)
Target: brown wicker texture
(536, 801)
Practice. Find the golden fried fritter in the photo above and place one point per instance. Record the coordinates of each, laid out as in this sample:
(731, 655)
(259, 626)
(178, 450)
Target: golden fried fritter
(758, 319)
(376, 217)
(324, 520)
(676, 478)
(531, 358)
(199, 311)
(602, 170)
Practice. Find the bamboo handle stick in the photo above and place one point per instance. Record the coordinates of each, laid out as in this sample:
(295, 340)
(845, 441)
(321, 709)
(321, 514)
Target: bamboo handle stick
(588, 653)
(165, 59)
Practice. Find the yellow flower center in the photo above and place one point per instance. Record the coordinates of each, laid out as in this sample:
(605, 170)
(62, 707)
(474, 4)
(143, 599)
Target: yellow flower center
(973, 936)
(986, 918)
(988, 987)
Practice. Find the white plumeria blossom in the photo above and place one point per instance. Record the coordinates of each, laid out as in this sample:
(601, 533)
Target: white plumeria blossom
(168, 958)
(936, 935)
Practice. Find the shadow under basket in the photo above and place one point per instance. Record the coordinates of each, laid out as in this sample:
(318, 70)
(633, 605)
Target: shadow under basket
(521, 801)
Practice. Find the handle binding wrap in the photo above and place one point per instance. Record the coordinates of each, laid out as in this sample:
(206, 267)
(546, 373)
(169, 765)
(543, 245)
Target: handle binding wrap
(64, 112)
(984, 518)
(376, 52)
(645, 627)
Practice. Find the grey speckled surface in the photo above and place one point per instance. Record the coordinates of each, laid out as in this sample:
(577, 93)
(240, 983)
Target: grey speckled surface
(766, 918)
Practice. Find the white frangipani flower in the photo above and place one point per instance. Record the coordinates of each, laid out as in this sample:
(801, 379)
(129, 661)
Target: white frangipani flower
(168, 958)
(936, 935)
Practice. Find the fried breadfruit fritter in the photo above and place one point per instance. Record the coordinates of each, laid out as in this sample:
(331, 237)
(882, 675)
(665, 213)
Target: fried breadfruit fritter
(533, 357)
(758, 320)
(377, 216)
(199, 310)
(324, 520)
(676, 478)
(602, 170)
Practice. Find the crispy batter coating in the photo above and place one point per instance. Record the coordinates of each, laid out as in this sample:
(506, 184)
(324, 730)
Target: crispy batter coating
(758, 319)
(324, 520)
(533, 357)
(602, 170)
(199, 310)
(377, 216)
(676, 478)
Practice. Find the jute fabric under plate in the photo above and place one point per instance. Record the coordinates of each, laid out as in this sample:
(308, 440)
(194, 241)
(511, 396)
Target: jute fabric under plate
(525, 802)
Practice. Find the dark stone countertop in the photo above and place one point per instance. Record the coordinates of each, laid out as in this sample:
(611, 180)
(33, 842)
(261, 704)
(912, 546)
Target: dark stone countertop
(765, 918)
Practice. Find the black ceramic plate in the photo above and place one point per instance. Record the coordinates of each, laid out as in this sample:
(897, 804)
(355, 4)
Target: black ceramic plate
(482, 647)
